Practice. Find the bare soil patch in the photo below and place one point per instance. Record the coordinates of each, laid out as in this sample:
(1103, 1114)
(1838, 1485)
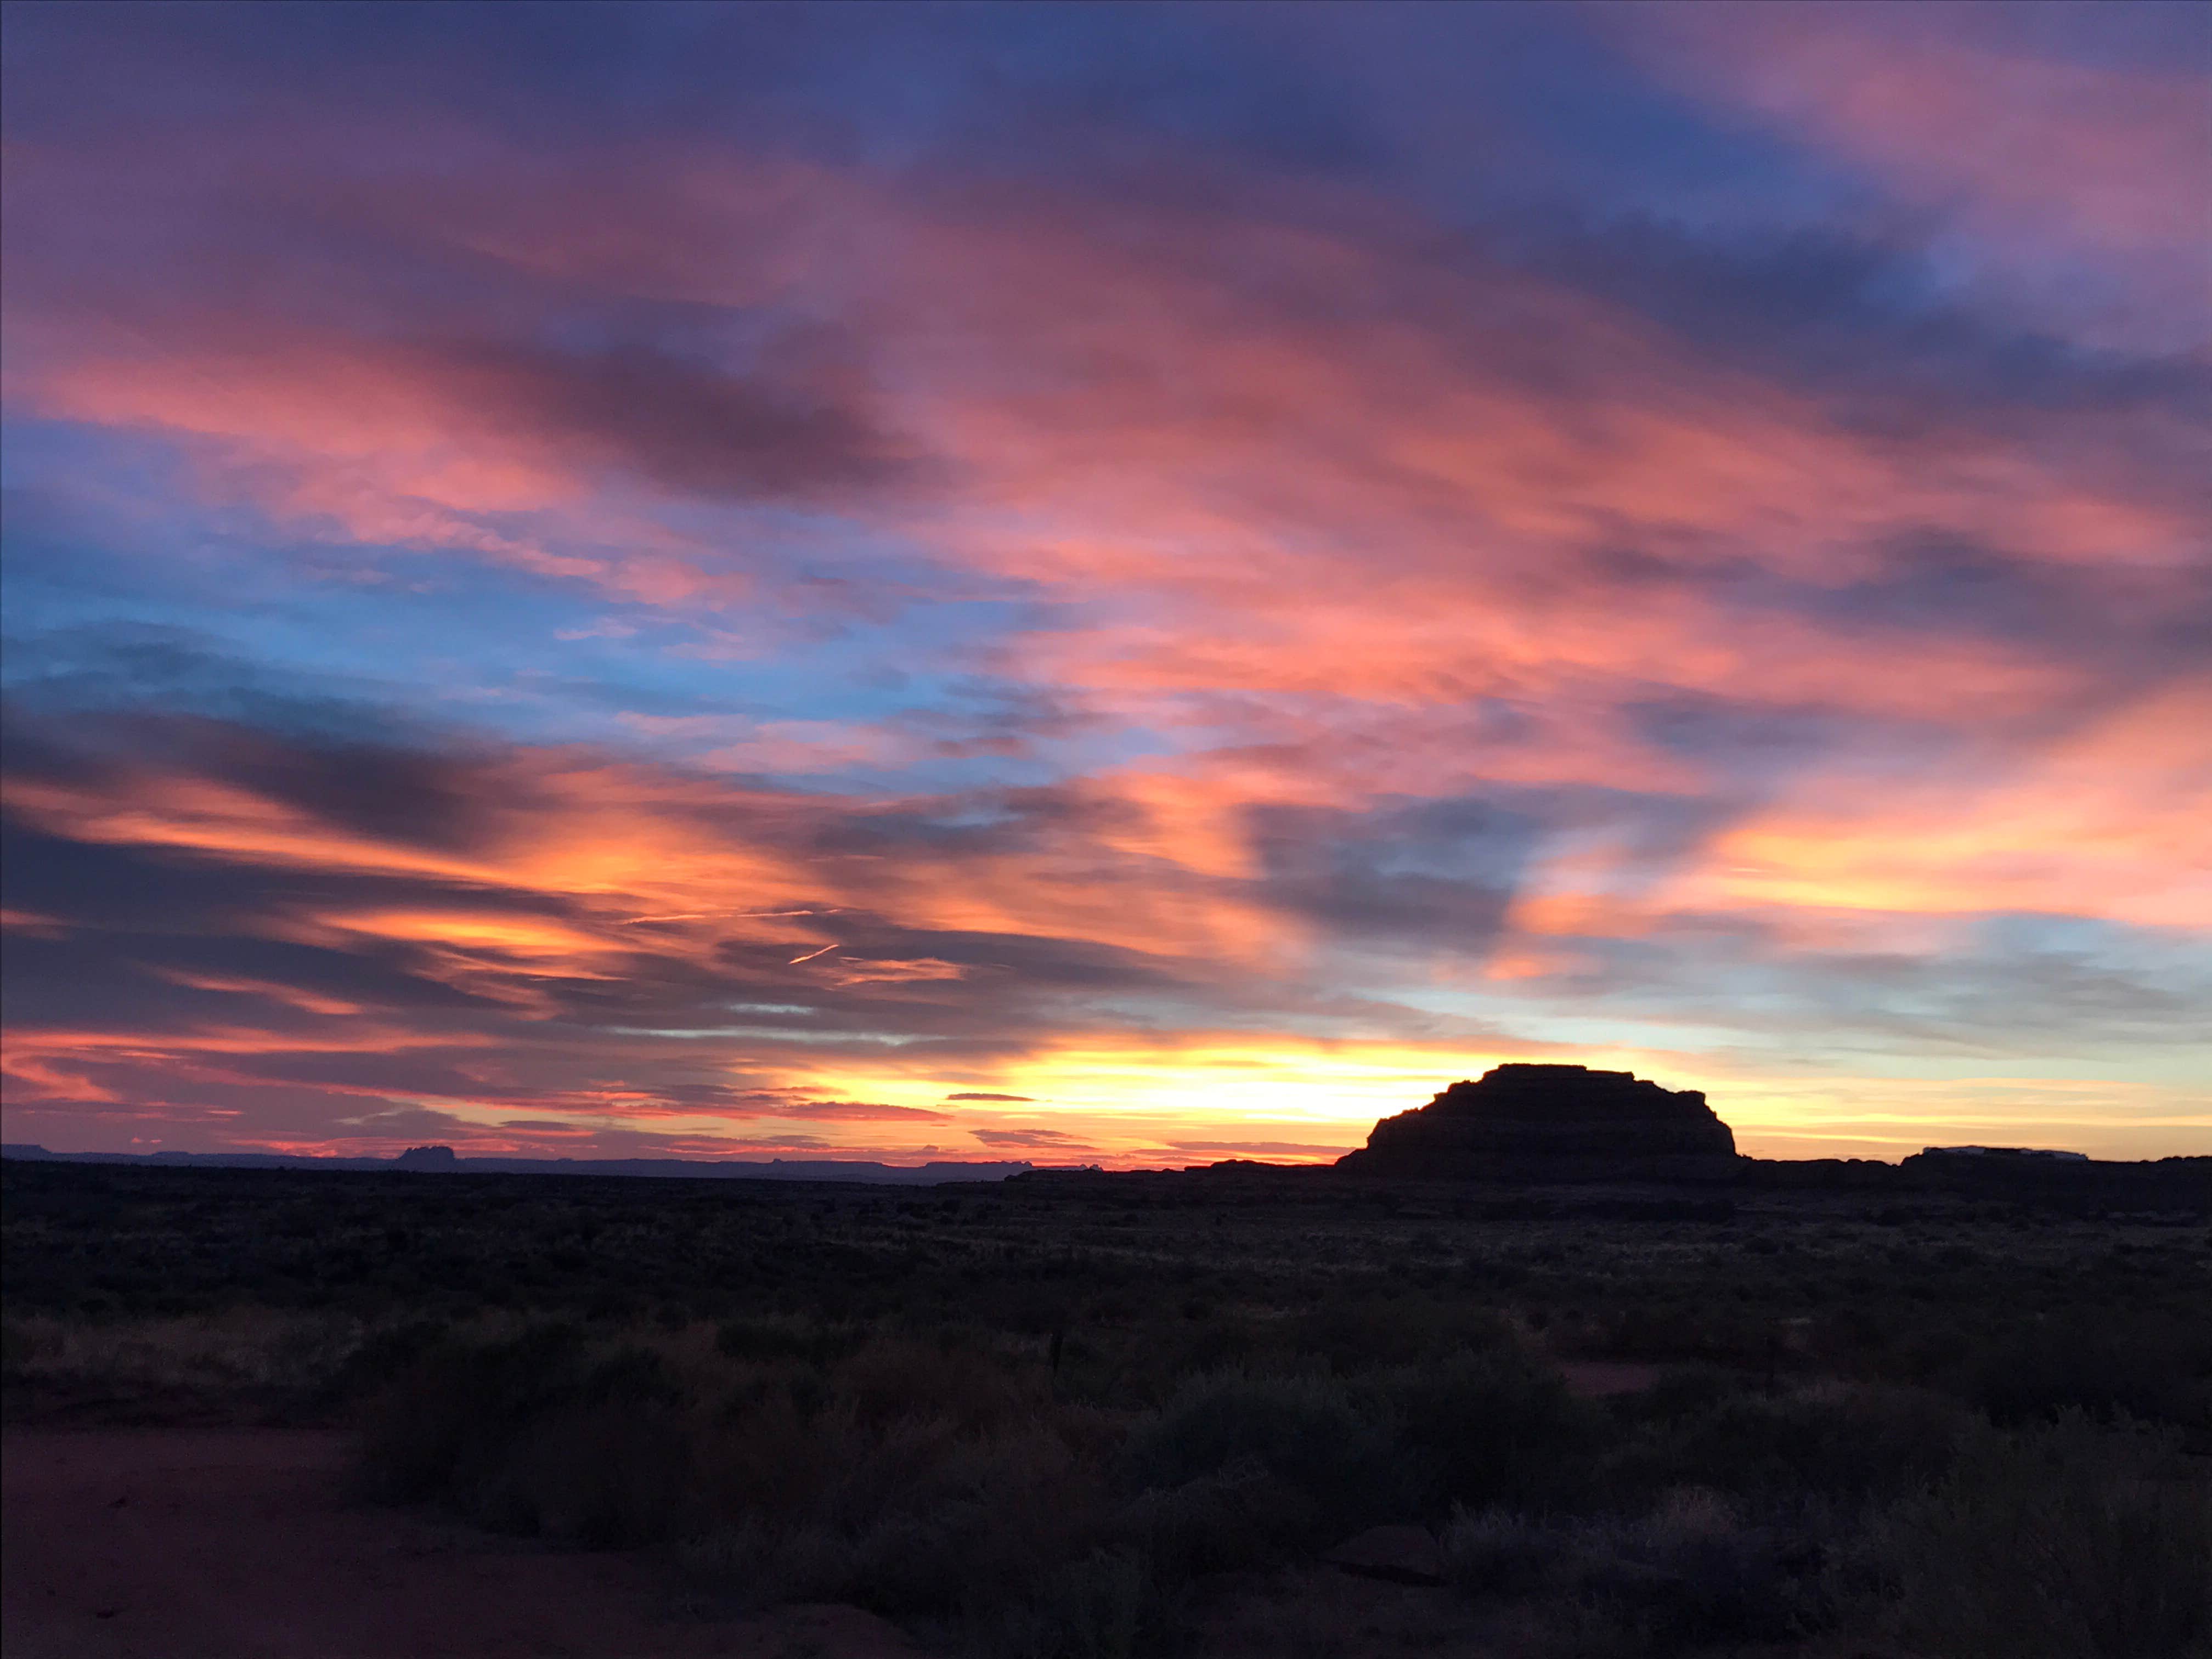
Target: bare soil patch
(243, 1544)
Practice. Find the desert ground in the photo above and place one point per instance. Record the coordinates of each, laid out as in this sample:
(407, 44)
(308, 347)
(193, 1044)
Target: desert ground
(247, 1544)
(277, 1413)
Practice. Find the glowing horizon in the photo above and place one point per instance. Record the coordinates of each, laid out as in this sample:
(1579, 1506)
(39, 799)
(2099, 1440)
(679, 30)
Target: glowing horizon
(1103, 585)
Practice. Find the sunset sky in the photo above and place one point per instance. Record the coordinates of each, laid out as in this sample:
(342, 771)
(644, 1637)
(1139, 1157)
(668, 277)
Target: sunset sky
(1131, 585)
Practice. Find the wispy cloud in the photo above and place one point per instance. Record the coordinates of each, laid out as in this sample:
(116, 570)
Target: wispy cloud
(1077, 607)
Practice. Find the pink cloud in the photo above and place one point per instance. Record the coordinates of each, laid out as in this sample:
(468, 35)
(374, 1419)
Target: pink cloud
(1338, 519)
(1964, 111)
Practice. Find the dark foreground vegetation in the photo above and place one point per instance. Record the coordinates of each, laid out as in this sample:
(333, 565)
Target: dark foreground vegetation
(1137, 1415)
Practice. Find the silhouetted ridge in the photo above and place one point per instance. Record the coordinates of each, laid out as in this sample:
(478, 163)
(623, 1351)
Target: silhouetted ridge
(1557, 1123)
(417, 1159)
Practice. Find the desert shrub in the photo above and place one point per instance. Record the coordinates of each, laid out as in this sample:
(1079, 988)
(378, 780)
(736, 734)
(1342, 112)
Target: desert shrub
(417, 1432)
(772, 1339)
(1681, 1331)
(1155, 1360)
(969, 1522)
(758, 1562)
(383, 1355)
(770, 1440)
(613, 1475)
(1109, 1605)
(1215, 1522)
(2109, 1367)
(909, 1478)
(1105, 1604)
(243, 1365)
(2068, 1541)
(1832, 1441)
(1486, 1426)
(1498, 1551)
(1333, 1456)
(919, 1519)
(1351, 1333)
(20, 1343)
(539, 1431)
(894, 1378)
(1691, 1573)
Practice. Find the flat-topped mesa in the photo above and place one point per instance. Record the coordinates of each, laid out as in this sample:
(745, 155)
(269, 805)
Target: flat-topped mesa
(1550, 1122)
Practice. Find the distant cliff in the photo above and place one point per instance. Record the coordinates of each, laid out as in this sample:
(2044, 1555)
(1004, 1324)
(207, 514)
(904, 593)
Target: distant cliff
(1552, 1124)
(437, 1159)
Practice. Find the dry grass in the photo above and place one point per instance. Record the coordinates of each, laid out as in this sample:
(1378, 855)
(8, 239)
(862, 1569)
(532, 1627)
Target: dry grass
(243, 1365)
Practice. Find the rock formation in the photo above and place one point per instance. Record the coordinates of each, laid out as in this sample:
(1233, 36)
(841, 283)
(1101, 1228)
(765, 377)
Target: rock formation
(1552, 1124)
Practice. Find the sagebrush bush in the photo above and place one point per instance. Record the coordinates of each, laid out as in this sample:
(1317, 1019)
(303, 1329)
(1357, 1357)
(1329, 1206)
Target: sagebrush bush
(1827, 1440)
(1109, 1605)
(1215, 1522)
(905, 1477)
(1695, 1571)
(770, 1338)
(2107, 1367)
(539, 1432)
(455, 1410)
(1335, 1457)
(1486, 1426)
(1501, 1550)
(1692, 1572)
(942, 1479)
(2069, 1541)
(246, 1362)
(1351, 1336)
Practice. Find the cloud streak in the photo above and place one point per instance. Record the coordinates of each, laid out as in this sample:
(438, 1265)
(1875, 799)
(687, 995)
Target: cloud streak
(1154, 622)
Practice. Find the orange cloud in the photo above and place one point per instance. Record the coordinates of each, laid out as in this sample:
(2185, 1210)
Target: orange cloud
(2114, 821)
(290, 995)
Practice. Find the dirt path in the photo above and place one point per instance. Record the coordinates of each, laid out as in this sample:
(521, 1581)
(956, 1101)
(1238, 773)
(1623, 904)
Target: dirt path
(240, 1544)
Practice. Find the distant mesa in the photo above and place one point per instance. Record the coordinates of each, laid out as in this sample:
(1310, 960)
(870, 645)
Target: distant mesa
(932, 1173)
(1525, 1122)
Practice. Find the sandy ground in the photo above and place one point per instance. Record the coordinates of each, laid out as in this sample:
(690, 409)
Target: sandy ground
(241, 1544)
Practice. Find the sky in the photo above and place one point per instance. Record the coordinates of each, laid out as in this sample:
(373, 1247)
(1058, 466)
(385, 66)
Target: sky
(1128, 585)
